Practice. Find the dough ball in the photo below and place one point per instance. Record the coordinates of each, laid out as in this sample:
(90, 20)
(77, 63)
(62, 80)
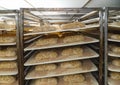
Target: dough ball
(116, 62)
(72, 51)
(46, 81)
(72, 25)
(115, 36)
(46, 67)
(42, 55)
(7, 79)
(74, 78)
(73, 38)
(8, 65)
(48, 41)
(71, 64)
(115, 75)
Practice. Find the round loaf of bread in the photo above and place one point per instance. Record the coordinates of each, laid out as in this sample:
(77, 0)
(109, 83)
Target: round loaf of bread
(73, 38)
(74, 78)
(71, 64)
(46, 81)
(46, 67)
(7, 79)
(8, 65)
(43, 55)
(48, 41)
(72, 51)
(116, 62)
(115, 75)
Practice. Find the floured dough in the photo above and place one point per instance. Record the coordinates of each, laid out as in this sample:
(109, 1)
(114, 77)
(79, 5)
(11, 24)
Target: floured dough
(42, 55)
(7, 79)
(8, 65)
(71, 64)
(72, 51)
(72, 25)
(46, 81)
(73, 38)
(74, 78)
(115, 36)
(7, 39)
(115, 75)
(8, 52)
(115, 49)
(116, 62)
(46, 67)
(48, 41)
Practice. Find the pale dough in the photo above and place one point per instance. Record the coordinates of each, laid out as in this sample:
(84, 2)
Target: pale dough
(42, 55)
(115, 36)
(71, 64)
(115, 49)
(77, 51)
(73, 38)
(76, 78)
(7, 79)
(115, 75)
(46, 67)
(46, 81)
(116, 62)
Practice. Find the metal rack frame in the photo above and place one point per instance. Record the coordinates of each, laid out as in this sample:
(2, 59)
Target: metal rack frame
(17, 39)
(21, 37)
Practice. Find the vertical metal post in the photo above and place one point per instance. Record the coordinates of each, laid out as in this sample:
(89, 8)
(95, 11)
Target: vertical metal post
(105, 17)
(101, 50)
(21, 48)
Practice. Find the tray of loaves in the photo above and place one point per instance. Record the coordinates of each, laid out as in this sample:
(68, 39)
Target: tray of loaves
(8, 80)
(114, 78)
(61, 55)
(74, 26)
(114, 65)
(7, 53)
(114, 37)
(55, 41)
(114, 25)
(76, 79)
(8, 68)
(114, 51)
(7, 39)
(60, 69)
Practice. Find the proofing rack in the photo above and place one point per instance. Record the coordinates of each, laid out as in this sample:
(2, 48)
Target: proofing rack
(14, 16)
(113, 29)
(85, 15)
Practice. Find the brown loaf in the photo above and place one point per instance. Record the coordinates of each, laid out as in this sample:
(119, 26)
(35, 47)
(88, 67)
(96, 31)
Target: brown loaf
(42, 55)
(71, 64)
(72, 25)
(73, 38)
(8, 65)
(72, 51)
(46, 67)
(7, 79)
(116, 62)
(77, 78)
(46, 81)
(8, 52)
(47, 41)
(115, 75)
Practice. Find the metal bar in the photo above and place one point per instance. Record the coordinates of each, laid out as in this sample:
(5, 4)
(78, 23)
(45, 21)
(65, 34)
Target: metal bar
(105, 17)
(101, 51)
(22, 77)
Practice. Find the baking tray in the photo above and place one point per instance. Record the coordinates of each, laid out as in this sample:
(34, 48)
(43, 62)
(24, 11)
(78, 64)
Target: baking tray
(15, 83)
(113, 68)
(8, 44)
(113, 40)
(72, 29)
(88, 66)
(13, 71)
(113, 54)
(113, 82)
(86, 41)
(114, 26)
(87, 53)
(7, 29)
(90, 80)
(8, 58)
